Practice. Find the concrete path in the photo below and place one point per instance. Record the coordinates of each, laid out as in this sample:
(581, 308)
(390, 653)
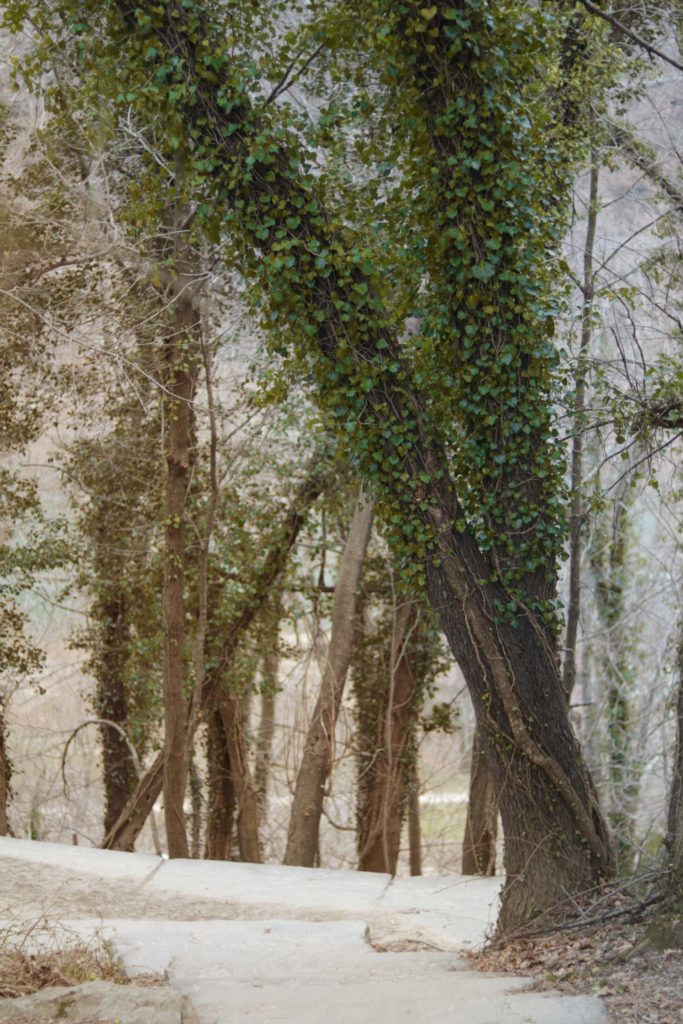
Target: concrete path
(275, 945)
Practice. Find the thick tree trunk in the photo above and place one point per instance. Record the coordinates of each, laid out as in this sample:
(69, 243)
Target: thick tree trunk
(387, 763)
(220, 814)
(316, 764)
(118, 770)
(556, 841)
(481, 826)
(5, 774)
(278, 547)
(232, 717)
(179, 382)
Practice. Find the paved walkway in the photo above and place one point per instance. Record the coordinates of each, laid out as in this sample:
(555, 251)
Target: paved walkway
(264, 944)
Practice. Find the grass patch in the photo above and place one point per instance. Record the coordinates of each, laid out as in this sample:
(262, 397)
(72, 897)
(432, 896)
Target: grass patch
(37, 955)
(443, 822)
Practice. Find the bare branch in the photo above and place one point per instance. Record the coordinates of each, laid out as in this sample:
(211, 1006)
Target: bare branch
(630, 34)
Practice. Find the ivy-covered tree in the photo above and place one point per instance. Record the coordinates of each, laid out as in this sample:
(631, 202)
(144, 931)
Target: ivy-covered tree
(453, 429)
(112, 481)
(398, 656)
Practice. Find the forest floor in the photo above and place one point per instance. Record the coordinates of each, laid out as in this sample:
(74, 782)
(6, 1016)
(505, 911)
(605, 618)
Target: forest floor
(263, 942)
(271, 938)
(628, 966)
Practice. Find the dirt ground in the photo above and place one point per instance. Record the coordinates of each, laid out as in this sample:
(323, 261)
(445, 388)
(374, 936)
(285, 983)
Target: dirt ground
(29, 891)
(627, 965)
(636, 968)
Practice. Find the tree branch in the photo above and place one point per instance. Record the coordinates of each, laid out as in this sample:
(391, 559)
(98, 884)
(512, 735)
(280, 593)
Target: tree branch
(636, 154)
(633, 36)
(286, 82)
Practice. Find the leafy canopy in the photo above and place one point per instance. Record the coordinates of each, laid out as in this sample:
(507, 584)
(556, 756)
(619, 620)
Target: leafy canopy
(464, 120)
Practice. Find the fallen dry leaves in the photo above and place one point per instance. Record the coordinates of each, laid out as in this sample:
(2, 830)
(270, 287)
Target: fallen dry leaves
(638, 983)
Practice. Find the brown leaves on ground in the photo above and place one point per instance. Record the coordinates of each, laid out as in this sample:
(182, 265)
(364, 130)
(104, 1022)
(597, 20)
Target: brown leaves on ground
(638, 982)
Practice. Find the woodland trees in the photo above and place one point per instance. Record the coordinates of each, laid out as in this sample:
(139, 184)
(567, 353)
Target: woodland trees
(249, 131)
(30, 544)
(302, 839)
(490, 578)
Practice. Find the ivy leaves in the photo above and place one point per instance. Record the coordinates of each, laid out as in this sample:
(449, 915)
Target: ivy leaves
(458, 229)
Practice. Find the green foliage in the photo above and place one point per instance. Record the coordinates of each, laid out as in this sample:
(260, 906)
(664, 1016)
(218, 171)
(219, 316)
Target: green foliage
(460, 123)
(423, 645)
(480, 161)
(31, 544)
(395, 630)
(39, 547)
(116, 490)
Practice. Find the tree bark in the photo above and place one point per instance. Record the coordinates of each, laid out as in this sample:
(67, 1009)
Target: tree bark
(196, 803)
(316, 764)
(556, 841)
(134, 815)
(181, 358)
(266, 729)
(220, 815)
(674, 832)
(576, 510)
(118, 770)
(615, 658)
(5, 774)
(414, 827)
(387, 765)
(481, 826)
(278, 547)
(232, 718)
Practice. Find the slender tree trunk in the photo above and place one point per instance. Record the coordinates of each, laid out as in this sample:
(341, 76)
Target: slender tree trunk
(179, 381)
(246, 704)
(134, 815)
(5, 773)
(414, 827)
(196, 803)
(206, 534)
(270, 665)
(674, 833)
(220, 814)
(481, 826)
(615, 658)
(388, 759)
(576, 510)
(232, 717)
(590, 719)
(316, 764)
(118, 770)
(278, 547)
(266, 729)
